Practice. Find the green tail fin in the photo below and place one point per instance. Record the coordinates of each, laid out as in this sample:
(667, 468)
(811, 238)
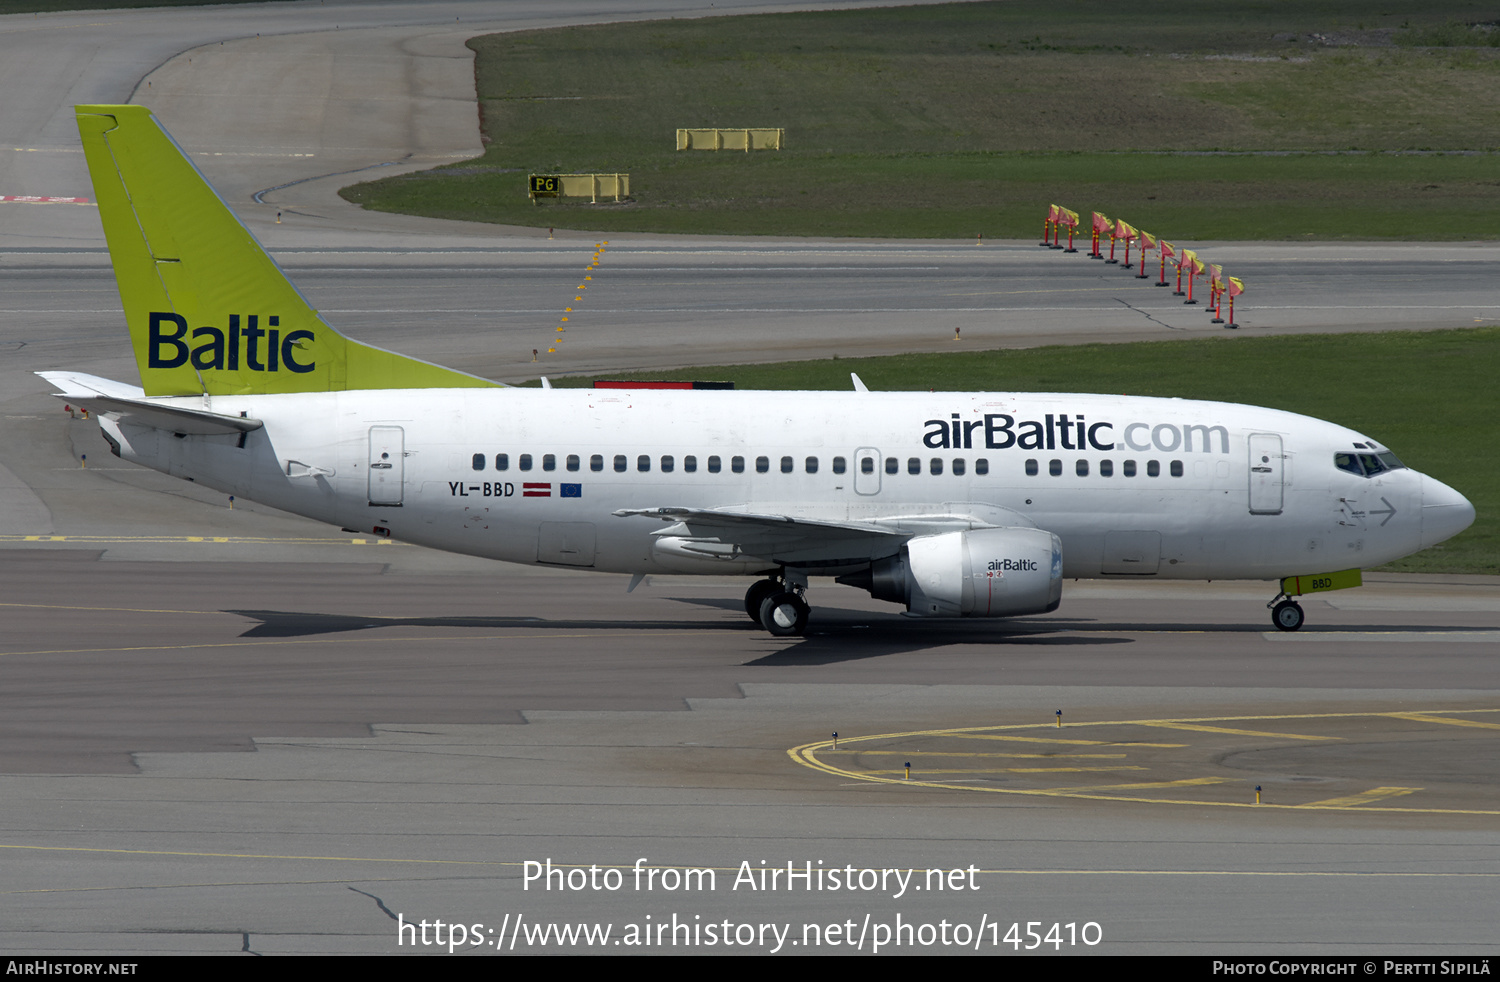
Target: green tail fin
(209, 311)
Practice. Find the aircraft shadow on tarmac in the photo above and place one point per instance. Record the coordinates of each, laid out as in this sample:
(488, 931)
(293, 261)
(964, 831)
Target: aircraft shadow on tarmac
(829, 624)
(834, 634)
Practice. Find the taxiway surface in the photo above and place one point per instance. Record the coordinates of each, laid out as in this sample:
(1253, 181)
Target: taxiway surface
(237, 731)
(216, 755)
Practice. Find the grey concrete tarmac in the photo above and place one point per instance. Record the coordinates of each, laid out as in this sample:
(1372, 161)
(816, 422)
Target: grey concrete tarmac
(208, 754)
(232, 730)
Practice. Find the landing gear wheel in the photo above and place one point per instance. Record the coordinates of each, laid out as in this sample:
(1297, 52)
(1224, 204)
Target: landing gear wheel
(757, 594)
(1287, 615)
(784, 614)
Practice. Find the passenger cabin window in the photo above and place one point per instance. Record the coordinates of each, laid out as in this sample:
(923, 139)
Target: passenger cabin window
(786, 465)
(1106, 468)
(713, 465)
(737, 464)
(1054, 467)
(643, 463)
(572, 461)
(839, 465)
(1128, 468)
(549, 462)
(914, 465)
(1176, 468)
(892, 465)
(1153, 468)
(690, 464)
(620, 463)
(667, 463)
(479, 462)
(1031, 468)
(762, 465)
(596, 462)
(811, 465)
(525, 461)
(982, 466)
(958, 467)
(935, 465)
(1082, 468)
(502, 461)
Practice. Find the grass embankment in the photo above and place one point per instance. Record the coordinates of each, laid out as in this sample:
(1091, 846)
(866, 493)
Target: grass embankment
(1428, 395)
(955, 120)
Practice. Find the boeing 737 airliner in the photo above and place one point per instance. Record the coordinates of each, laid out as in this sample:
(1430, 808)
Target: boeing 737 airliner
(949, 504)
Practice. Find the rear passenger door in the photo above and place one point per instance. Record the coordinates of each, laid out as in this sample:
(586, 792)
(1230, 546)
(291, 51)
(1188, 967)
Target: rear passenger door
(387, 465)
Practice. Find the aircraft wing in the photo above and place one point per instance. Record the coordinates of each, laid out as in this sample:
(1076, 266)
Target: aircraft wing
(807, 540)
(779, 539)
(129, 405)
(747, 524)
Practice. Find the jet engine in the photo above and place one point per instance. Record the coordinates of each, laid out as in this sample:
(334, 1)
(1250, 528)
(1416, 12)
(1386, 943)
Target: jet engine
(999, 572)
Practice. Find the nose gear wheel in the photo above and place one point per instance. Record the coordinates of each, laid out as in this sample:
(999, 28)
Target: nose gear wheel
(1287, 615)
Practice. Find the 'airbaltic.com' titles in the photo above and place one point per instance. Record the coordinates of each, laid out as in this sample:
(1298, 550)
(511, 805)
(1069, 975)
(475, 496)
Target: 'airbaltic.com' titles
(948, 504)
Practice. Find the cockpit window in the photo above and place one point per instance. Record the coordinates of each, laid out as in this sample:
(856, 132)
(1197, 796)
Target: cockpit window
(1348, 462)
(1367, 464)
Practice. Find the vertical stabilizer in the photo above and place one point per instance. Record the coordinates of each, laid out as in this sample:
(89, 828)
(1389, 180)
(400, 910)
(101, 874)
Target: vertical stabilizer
(208, 310)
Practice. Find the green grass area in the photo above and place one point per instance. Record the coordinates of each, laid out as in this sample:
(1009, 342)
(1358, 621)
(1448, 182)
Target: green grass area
(1428, 395)
(1453, 34)
(1357, 197)
(1219, 119)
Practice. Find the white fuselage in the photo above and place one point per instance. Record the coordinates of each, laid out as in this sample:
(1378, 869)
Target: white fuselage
(1133, 486)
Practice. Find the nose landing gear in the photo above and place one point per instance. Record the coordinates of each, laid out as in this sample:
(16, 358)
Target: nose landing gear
(1285, 614)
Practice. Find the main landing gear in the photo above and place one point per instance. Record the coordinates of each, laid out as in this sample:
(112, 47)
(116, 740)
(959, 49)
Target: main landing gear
(1286, 613)
(778, 606)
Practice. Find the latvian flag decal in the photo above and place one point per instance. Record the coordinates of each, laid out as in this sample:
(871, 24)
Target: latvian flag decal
(537, 490)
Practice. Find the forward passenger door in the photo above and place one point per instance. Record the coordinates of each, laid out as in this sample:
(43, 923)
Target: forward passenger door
(1266, 474)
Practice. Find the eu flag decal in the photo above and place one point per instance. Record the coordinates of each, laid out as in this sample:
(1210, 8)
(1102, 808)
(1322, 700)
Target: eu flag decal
(571, 490)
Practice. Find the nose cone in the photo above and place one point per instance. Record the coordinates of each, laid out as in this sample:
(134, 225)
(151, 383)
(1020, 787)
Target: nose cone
(1445, 512)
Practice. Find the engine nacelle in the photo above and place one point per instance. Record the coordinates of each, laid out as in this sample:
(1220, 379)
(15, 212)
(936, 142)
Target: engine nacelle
(1000, 572)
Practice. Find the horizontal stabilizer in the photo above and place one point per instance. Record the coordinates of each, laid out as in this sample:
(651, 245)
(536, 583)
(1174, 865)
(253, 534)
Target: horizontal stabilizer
(129, 405)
